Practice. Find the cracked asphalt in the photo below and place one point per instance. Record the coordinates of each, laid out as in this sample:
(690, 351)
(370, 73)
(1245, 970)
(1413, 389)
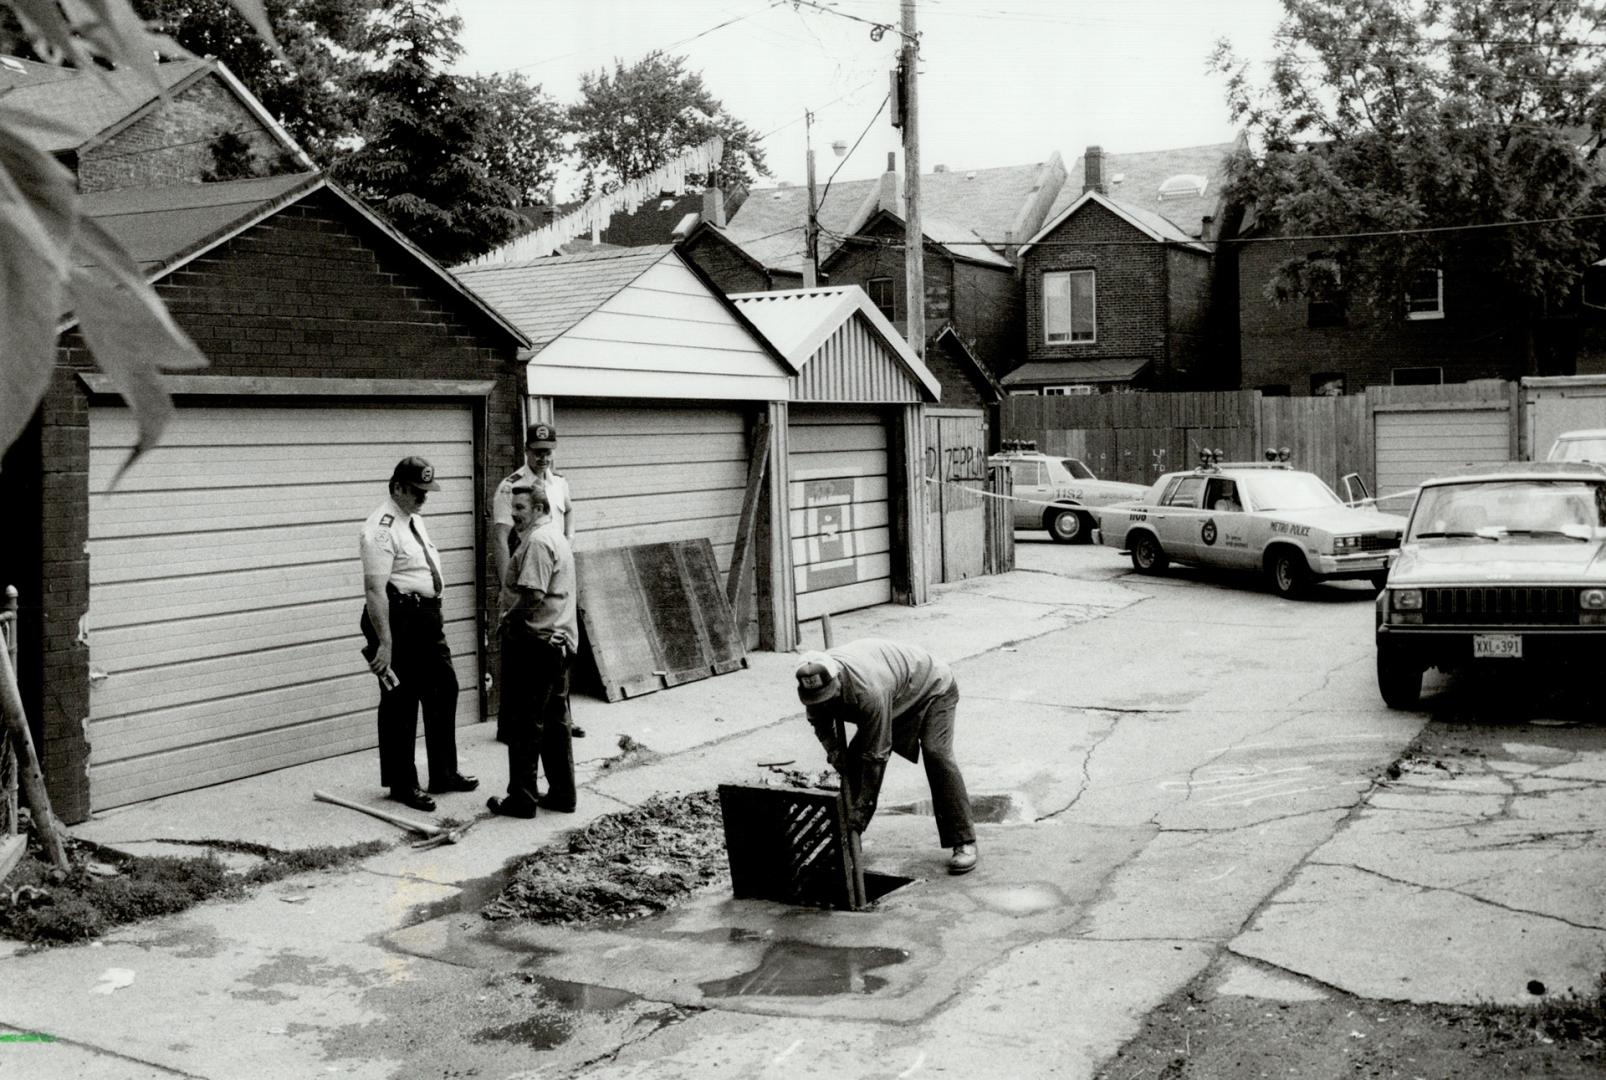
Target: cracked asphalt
(1198, 787)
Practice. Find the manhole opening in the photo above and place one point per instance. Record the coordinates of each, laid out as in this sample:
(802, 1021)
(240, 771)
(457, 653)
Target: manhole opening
(878, 885)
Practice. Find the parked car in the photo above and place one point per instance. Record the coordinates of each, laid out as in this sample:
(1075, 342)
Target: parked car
(1498, 567)
(1255, 515)
(1054, 493)
(1587, 445)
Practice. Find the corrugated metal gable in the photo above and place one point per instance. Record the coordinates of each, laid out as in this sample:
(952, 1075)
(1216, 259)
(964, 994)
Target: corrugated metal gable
(853, 364)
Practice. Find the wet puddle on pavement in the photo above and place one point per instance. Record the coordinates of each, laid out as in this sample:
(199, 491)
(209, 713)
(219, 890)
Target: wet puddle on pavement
(471, 895)
(565, 1004)
(799, 969)
(984, 809)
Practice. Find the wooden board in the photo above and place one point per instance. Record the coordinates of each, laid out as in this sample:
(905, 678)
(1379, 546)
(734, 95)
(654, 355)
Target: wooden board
(656, 616)
(790, 845)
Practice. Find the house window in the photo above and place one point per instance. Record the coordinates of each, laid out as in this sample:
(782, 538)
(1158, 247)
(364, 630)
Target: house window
(1069, 307)
(1273, 389)
(1417, 376)
(882, 296)
(1073, 390)
(1327, 384)
(1424, 295)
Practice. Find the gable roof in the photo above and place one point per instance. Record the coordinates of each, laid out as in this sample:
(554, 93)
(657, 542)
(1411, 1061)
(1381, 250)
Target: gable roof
(958, 241)
(798, 321)
(1151, 224)
(546, 297)
(1141, 177)
(966, 204)
(74, 110)
(949, 341)
(166, 228)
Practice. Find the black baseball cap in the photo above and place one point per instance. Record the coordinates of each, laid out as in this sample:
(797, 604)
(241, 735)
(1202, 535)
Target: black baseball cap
(415, 472)
(540, 437)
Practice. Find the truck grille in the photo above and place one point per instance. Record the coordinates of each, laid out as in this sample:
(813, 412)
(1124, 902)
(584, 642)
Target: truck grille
(1379, 543)
(1501, 605)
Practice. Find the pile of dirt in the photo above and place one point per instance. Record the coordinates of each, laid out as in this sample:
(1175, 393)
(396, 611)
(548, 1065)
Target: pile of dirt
(105, 888)
(621, 866)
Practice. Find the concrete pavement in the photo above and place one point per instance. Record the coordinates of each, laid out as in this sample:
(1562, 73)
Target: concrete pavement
(1188, 779)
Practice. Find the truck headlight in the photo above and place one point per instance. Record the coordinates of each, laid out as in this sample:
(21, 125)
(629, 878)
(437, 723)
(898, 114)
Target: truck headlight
(1592, 600)
(1405, 599)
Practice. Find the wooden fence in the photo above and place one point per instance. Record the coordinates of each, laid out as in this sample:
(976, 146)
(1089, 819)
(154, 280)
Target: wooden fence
(1136, 437)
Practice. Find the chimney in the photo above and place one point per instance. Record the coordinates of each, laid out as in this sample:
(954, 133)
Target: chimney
(889, 196)
(714, 206)
(939, 168)
(1093, 171)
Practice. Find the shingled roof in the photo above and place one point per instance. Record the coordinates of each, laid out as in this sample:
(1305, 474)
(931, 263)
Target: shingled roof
(546, 297)
(1141, 176)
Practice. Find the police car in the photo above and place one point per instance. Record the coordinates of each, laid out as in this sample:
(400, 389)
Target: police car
(1260, 515)
(1055, 493)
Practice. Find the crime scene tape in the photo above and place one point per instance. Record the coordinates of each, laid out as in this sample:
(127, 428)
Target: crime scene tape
(1409, 494)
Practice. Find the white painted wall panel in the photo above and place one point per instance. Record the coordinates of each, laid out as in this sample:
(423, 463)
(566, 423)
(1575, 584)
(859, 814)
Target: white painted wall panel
(225, 586)
(1414, 446)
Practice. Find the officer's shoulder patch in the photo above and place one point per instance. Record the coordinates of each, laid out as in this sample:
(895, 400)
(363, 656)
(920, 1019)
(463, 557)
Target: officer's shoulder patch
(511, 480)
(387, 519)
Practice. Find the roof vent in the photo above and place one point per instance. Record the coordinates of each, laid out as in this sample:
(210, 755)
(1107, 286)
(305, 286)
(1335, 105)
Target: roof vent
(939, 168)
(971, 175)
(1182, 186)
(666, 204)
(1118, 178)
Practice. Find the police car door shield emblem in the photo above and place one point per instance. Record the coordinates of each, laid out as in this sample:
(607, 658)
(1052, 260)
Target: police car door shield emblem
(1207, 531)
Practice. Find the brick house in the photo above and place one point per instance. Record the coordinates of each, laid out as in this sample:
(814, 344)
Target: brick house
(336, 347)
(114, 130)
(1121, 285)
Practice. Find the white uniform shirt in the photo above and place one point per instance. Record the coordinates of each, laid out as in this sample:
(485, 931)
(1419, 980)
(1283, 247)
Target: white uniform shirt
(557, 497)
(390, 550)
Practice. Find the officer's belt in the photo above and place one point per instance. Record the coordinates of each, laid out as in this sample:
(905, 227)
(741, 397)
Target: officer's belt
(408, 599)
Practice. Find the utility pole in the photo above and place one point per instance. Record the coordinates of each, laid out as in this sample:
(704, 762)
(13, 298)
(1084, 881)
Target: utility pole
(914, 265)
(811, 231)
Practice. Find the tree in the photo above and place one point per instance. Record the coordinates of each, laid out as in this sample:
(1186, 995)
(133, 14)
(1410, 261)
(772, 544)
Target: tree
(307, 87)
(521, 137)
(1461, 116)
(642, 115)
(418, 162)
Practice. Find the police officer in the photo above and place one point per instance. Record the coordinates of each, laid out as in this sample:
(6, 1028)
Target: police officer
(540, 440)
(407, 648)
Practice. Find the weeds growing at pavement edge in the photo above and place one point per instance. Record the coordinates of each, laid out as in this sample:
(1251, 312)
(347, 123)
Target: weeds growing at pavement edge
(1569, 1017)
(106, 889)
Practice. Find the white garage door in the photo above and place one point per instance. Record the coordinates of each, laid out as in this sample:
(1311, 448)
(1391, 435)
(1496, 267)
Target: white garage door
(841, 546)
(1417, 445)
(649, 474)
(225, 587)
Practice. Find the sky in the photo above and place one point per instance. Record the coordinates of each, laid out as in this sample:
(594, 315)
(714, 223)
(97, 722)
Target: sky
(1002, 82)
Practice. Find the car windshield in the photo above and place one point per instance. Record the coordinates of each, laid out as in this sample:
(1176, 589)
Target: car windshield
(1578, 450)
(1077, 469)
(1275, 490)
(1495, 509)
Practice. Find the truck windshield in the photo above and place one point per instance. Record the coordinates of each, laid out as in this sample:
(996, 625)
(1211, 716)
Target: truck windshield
(1496, 508)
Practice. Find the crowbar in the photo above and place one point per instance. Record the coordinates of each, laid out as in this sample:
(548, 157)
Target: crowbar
(433, 834)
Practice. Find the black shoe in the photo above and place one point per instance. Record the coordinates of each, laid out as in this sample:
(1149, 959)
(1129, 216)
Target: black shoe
(577, 732)
(412, 797)
(545, 802)
(508, 807)
(455, 782)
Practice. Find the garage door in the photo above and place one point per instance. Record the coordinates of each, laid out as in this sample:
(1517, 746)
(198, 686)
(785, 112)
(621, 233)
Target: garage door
(647, 474)
(225, 587)
(1418, 444)
(841, 546)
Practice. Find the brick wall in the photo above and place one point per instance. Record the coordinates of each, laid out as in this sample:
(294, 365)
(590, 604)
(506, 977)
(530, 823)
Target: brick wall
(1190, 285)
(1474, 340)
(171, 144)
(309, 292)
(987, 314)
(1130, 302)
(856, 263)
(958, 385)
(728, 269)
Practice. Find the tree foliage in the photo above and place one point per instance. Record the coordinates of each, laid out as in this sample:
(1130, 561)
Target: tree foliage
(639, 116)
(420, 160)
(307, 88)
(1382, 116)
(521, 134)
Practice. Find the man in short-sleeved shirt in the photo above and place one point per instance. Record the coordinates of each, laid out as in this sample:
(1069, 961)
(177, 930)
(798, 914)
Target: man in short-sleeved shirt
(901, 700)
(406, 640)
(540, 626)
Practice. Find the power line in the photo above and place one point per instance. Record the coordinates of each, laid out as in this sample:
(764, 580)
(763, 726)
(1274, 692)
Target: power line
(662, 48)
(879, 109)
(816, 108)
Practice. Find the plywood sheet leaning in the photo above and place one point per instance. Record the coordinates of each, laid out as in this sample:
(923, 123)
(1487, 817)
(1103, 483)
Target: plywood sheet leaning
(656, 616)
(789, 845)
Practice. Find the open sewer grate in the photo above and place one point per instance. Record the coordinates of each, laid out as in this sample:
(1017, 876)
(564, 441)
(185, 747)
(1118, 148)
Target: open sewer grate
(792, 845)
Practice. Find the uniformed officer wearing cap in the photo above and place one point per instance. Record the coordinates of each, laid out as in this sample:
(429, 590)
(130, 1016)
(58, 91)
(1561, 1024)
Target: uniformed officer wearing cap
(902, 700)
(407, 648)
(540, 440)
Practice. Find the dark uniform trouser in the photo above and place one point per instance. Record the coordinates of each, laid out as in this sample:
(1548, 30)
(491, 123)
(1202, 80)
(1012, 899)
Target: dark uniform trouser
(535, 679)
(422, 662)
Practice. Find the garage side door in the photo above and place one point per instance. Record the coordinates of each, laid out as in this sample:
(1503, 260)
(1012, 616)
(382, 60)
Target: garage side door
(1413, 446)
(225, 587)
(841, 545)
(650, 474)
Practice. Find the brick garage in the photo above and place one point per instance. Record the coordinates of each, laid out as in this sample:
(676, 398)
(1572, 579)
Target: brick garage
(300, 298)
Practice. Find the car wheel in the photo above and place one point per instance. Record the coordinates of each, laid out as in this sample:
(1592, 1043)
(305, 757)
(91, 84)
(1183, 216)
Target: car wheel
(1399, 681)
(1148, 557)
(1287, 573)
(1067, 526)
